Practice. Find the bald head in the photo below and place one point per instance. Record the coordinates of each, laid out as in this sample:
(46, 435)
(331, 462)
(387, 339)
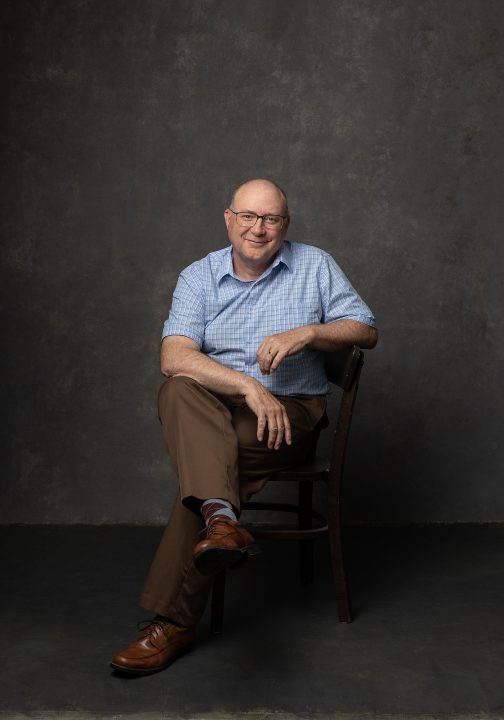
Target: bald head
(260, 184)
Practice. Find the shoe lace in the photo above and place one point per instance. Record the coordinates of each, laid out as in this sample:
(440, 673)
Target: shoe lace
(152, 627)
(215, 527)
(210, 530)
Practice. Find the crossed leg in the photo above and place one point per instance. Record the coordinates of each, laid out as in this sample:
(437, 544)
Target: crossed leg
(212, 442)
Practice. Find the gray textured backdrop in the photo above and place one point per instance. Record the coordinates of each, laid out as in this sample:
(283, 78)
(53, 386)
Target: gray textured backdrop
(125, 125)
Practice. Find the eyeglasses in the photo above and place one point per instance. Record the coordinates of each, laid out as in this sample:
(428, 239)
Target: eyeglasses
(249, 219)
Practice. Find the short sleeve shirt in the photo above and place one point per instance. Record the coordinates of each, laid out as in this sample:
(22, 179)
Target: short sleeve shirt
(229, 318)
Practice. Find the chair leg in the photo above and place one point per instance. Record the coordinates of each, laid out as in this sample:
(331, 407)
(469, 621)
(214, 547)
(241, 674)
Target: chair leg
(217, 609)
(338, 568)
(304, 523)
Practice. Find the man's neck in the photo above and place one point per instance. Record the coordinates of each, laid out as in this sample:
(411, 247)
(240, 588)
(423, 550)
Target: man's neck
(248, 272)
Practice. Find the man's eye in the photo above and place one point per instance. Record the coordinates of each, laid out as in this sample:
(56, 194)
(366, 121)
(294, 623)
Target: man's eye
(247, 216)
(271, 219)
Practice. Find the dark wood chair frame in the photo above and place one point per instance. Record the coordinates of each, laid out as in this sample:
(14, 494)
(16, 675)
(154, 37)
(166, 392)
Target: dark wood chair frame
(343, 369)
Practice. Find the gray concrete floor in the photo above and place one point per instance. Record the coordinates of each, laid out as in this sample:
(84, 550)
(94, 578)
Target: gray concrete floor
(427, 640)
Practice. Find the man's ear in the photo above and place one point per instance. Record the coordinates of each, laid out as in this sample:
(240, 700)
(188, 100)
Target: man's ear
(227, 217)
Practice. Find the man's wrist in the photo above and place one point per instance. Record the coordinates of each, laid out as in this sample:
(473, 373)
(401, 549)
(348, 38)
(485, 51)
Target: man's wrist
(247, 384)
(311, 334)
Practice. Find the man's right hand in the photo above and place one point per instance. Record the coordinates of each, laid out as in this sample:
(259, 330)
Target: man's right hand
(271, 415)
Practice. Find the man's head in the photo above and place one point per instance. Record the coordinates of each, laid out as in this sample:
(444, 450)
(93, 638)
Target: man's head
(256, 241)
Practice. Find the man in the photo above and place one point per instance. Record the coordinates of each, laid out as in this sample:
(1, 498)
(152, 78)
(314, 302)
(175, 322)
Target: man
(245, 397)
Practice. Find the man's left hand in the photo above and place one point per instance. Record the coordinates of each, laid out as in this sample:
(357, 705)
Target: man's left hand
(275, 348)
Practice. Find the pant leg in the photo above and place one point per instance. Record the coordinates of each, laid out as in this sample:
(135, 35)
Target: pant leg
(174, 587)
(198, 431)
(201, 441)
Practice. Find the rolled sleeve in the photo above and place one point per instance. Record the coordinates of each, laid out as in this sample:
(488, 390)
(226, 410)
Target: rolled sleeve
(186, 316)
(340, 301)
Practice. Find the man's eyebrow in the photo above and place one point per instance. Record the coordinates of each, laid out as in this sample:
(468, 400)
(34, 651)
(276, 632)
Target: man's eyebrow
(256, 213)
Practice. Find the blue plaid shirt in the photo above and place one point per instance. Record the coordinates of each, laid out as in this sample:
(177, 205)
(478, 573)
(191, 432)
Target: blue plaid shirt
(229, 318)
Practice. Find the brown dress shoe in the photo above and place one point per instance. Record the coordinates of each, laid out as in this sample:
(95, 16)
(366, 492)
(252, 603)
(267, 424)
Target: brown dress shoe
(161, 642)
(226, 543)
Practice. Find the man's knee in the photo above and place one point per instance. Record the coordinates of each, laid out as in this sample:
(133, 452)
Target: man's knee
(182, 396)
(177, 383)
(171, 391)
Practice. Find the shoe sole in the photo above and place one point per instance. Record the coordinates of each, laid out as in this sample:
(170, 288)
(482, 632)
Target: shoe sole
(214, 560)
(150, 671)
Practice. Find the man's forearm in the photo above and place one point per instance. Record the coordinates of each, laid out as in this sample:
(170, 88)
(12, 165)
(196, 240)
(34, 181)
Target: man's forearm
(337, 335)
(179, 358)
(328, 337)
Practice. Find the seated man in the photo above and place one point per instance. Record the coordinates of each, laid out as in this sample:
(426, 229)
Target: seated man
(245, 396)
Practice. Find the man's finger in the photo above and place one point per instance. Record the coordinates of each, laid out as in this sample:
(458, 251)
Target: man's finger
(262, 346)
(283, 425)
(287, 432)
(264, 362)
(272, 435)
(265, 355)
(280, 437)
(261, 423)
(277, 359)
(279, 427)
(262, 350)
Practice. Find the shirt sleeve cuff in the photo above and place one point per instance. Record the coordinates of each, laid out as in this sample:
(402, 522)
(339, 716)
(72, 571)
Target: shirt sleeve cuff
(171, 328)
(366, 319)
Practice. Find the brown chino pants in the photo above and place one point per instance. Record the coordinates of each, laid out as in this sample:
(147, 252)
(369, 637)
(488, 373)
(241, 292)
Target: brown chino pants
(212, 442)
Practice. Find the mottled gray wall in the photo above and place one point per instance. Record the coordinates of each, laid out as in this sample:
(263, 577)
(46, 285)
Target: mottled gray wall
(125, 125)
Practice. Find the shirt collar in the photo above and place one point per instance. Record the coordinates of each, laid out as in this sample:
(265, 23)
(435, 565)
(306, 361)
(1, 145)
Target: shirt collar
(284, 257)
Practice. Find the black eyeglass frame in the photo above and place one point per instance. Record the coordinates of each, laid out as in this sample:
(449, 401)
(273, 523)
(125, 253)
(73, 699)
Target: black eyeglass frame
(257, 217)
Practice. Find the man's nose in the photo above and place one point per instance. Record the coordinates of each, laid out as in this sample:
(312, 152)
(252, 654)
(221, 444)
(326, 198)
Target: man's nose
(258, 227)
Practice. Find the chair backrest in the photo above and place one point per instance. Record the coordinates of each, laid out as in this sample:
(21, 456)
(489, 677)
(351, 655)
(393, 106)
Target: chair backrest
(343, 369)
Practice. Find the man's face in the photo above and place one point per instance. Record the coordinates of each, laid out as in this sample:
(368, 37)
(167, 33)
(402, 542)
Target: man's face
(254, 248)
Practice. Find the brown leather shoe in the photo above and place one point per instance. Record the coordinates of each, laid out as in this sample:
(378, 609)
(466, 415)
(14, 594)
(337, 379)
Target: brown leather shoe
(161, 642)
(226, 543)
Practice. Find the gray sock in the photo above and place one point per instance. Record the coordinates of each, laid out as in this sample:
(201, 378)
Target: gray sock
(213, 508)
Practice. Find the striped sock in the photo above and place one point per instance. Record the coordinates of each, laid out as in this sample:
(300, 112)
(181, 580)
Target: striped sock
(214, 508)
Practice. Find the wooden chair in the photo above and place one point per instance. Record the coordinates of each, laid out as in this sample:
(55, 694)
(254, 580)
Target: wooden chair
(343, 370)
